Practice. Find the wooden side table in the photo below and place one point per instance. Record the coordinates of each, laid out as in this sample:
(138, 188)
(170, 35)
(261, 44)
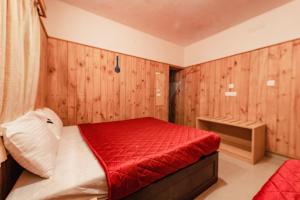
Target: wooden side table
(244, 140)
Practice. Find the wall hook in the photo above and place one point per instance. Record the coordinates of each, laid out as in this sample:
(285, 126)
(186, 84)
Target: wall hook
(117, 68)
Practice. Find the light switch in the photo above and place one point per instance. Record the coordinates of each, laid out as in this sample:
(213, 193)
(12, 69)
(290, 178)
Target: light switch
(230, 85)
(230, 94)
(271, 83)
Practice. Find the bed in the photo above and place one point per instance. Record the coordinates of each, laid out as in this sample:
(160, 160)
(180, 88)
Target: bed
(76, 179)
(283, 184)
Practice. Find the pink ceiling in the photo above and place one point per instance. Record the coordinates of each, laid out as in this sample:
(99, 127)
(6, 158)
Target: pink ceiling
(179, 21)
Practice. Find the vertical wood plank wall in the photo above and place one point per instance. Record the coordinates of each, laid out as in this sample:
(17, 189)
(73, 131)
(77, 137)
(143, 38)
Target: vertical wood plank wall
(41, 92)
(202, 87)
(83, 87)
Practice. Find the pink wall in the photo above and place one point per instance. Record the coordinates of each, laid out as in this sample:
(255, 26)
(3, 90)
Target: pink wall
(278, 25)
(71, 23)
(74, 24)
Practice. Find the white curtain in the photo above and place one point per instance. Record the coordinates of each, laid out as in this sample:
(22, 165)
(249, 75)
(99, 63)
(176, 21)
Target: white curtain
(20, 59)
(2, 63)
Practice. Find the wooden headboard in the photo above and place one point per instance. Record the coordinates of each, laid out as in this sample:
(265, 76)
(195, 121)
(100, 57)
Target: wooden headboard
(9, 173)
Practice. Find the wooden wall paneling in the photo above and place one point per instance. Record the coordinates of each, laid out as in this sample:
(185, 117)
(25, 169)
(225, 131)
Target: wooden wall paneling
(81, 66)
(277, 106)
(292, 116)
(104, 83)
(152, 88)
(156, 107)
(254, 87)
(243, 86)
(194, 102)
(57, 77)
(89, 82)
(192, 97)
(123, 66)
(227, 74)
(236, 80)
(166, 69)
(184, 94)
(62, 80)
(284, 92)
(96, 104)
(295, 105)
(279, 58)
(143, 88)
(133, 87)
(129, 98)
(200, 91)
(117, 92)
(261, 91)
(147, 88)
(159, 88)
(116, 89)
(203, 89)
(110, 86)
(211, 85)
(272, 96)
(257, 84)
(83, 86)
(164, 109)
(223, 87)
(52, 74)
(207, 77)
(197, 104)
(231, 102)
(72, 84)
(139, 88)
(113, 88)
(217, 90)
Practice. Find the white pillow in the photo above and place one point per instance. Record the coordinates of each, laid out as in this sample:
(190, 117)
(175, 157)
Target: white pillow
(31, 144)
(52, 120)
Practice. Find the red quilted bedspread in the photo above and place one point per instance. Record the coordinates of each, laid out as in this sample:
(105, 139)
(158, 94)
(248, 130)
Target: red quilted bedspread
(284, 184)
(135, 153)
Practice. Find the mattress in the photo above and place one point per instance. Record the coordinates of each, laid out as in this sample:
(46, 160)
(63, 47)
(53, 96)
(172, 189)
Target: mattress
(73, 178)
(135, 153)
(284, 183)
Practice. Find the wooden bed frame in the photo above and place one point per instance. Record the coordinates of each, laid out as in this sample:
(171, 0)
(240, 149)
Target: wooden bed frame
(9, 173)
(187, 183)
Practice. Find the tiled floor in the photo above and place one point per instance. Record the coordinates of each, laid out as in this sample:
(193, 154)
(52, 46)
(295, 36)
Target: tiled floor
(239, 180)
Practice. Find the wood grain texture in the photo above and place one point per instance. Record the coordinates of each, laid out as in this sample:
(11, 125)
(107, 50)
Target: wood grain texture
(84, 88)
(202, 88)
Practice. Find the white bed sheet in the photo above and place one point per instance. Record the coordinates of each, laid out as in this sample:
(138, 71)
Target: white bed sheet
(77, 175)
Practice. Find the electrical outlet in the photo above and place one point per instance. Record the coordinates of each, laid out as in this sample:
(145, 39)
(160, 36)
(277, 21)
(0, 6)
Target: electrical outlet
(230, 94)
(271, 83)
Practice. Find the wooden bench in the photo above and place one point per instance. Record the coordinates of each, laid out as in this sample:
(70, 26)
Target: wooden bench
(244, 140)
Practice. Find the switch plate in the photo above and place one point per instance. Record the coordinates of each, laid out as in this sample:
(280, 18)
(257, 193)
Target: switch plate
(271, 83)
(230, 94)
